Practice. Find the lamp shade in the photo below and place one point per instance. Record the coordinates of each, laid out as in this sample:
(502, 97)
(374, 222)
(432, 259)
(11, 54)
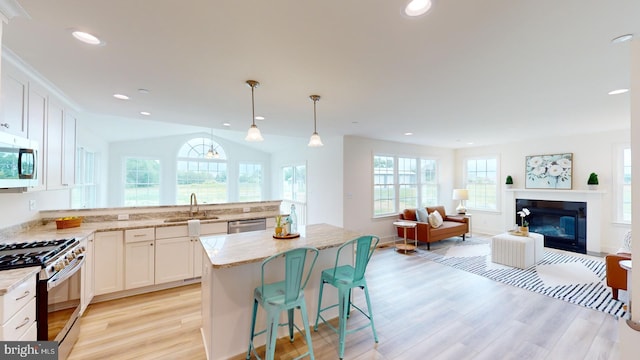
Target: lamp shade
(460, 194)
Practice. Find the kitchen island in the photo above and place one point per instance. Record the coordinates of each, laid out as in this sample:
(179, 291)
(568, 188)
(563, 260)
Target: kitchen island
(232, 269)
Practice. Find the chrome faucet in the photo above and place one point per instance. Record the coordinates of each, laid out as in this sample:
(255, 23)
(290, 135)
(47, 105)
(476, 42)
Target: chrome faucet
(194, 202)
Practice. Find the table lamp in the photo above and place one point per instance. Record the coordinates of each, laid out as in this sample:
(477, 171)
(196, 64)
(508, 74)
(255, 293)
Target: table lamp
(462, 195)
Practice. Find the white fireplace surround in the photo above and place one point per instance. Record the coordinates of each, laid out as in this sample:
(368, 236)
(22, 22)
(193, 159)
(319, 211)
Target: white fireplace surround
(593, 198)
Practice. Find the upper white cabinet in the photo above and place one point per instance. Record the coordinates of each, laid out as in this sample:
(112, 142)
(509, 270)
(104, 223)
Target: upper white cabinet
(61, 147)
(13, 100)
(28, 110)
(37, 119)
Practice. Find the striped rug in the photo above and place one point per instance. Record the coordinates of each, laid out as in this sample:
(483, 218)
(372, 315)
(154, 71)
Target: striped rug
(578, 279)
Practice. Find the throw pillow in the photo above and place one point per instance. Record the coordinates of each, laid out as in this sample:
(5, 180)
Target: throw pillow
(409, 214)
(421, 215)
(626, 244)
(435, 219)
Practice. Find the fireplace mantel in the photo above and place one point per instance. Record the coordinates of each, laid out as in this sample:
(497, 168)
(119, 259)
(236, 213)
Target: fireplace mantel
(550, 191)
(593, 198)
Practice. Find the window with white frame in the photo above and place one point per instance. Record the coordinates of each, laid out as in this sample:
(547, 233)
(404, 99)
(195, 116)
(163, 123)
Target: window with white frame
(201, 169)
(481, 177)
(250, 182)
(294, 183)
(428, 182)
(624, 181)
(141, 182)
(84, 194)
(407, 183)
(403, 182)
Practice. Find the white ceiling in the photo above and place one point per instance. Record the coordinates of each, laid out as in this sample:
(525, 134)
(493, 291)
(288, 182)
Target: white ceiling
(484, 72)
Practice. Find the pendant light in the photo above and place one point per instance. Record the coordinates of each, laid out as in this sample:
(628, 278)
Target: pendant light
(254, 133)
(315, 140)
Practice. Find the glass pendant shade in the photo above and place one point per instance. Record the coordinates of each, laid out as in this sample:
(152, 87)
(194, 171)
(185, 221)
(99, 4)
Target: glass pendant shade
(254, 134)
(315, 140)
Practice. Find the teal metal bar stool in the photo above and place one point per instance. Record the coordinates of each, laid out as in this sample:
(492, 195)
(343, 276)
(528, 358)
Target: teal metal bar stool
(345, 278)
(287, 294)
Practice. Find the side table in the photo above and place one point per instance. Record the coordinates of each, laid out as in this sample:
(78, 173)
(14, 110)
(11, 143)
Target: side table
(404, 246)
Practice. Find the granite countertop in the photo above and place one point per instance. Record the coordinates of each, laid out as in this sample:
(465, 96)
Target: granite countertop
(49, 231)
(230, 250)
(12, 278)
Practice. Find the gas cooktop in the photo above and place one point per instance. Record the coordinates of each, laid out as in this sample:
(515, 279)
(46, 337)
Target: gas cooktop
(37, 253)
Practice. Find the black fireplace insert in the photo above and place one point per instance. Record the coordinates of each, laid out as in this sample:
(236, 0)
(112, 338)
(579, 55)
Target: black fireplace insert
(563, 223)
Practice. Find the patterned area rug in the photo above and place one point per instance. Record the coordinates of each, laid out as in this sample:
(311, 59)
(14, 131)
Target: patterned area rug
(578, 279)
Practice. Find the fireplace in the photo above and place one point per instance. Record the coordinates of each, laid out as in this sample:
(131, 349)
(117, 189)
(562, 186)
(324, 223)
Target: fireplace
(563, 223)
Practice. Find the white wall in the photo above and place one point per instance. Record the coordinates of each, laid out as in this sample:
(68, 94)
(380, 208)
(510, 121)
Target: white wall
(166, 149)
(324, 177)
(591, 153)
(358, 169)
(91, 141)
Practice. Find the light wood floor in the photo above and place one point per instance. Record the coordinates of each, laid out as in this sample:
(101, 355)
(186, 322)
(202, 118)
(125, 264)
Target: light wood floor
(422, 309)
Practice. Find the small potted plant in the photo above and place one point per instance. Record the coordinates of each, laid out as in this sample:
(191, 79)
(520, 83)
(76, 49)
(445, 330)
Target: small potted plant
(509, 182)
(592, 183)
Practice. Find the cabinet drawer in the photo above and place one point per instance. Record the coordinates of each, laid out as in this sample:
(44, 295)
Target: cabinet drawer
(31, 334)
(15, 299)
(172, 232)
(17, 325)
(213, 228)
(135, 235)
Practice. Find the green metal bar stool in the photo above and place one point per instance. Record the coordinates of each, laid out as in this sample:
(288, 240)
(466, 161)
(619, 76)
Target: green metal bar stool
(345, 278)
(287, 294)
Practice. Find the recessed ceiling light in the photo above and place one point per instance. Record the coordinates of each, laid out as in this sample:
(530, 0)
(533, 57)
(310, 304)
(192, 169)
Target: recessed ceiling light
(86, 38)
(417, 7)
(622, 38)
(470, 143)
(145, 113)
(618, 91)
(259, 117)
(121, 96)
(226, 124)
(408, 133)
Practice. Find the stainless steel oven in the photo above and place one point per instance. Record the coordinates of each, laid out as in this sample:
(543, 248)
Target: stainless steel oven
(58, 288)
(58, 299)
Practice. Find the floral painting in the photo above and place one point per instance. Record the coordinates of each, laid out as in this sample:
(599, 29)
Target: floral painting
(549, 171)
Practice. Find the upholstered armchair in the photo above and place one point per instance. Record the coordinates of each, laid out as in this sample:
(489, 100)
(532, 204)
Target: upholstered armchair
(616, 275)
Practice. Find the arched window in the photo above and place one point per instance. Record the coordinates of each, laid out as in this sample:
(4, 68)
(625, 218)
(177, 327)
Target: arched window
(202, 169)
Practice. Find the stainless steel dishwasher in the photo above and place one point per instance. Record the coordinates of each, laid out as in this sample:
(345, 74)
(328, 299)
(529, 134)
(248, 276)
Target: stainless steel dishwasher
(240, 226)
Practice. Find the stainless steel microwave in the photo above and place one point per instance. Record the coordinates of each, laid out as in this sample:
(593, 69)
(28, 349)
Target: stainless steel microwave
(18, 161)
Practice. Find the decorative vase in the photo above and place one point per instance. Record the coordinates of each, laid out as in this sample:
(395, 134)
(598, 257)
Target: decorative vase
(524, 230)
(279, 231)
(592, 186)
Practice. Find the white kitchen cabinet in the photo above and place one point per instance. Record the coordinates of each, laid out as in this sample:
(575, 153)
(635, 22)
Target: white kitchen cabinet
(88, 281)
(69, 149)
(18, 312)
(37, 116)
(108, 262)
(13, 100)
(61, 147)
(53, 155)
(139, 258)
(174, 259)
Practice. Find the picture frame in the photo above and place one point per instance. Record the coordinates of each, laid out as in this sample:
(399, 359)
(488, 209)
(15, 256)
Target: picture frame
(553, 171)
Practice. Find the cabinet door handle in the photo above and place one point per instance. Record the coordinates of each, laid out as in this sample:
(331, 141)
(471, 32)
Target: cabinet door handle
(139, 235)
(26, 293)
(5, 125)
(24, 322)
(150, 244)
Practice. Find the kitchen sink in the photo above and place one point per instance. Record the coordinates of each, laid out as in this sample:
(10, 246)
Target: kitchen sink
(187, 218)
